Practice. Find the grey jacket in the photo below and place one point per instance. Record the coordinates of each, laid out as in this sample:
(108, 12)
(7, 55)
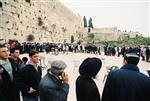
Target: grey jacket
(53, 89)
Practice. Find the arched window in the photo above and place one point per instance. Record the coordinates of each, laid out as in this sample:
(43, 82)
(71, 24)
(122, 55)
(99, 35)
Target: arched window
(1, 4)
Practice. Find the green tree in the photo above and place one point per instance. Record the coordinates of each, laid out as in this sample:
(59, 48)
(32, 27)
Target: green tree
(30, 37)
(90, 23)
(131, 41)
(85, 22)
(91, 35)
(72, 38)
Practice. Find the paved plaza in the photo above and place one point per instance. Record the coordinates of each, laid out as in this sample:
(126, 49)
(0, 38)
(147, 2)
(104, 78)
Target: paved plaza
(73, 61)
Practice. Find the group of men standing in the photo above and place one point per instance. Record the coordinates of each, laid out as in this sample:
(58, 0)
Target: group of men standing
(27, 80)
(13, 79)
(125, 84)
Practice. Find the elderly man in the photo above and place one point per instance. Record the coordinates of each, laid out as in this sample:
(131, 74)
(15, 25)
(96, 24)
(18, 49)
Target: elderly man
(54, 85)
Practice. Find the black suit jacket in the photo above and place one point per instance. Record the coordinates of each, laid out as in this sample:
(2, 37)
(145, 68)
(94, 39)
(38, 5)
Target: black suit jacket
(127, 84)
(8, 89)
(29, 77)
(86, 89)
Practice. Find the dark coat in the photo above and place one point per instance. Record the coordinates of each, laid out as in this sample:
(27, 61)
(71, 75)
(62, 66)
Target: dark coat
(8, 89)
(29, 77)
(148, 73)
(127, 84)
(86, 89)
(52, 89)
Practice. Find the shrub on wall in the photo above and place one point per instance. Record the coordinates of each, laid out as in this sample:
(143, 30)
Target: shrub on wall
(29, 1)
(15, 33)
(40, 23)
(1, 4)
(30, 37)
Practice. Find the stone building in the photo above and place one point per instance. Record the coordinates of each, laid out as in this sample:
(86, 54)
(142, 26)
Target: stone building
(47, 20)
(112, 34)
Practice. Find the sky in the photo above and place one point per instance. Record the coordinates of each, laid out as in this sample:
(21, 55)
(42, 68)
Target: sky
(129, 15)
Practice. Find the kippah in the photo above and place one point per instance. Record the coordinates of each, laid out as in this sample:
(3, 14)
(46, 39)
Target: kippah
(132, 55)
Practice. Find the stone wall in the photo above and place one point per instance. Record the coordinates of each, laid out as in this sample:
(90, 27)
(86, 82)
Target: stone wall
(47, 20)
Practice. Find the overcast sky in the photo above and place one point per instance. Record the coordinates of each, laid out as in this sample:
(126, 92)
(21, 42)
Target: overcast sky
(125, 14)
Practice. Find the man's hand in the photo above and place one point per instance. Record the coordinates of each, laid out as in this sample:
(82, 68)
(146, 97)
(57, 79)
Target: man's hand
(1, 71)
(65, 77)
(31, 90)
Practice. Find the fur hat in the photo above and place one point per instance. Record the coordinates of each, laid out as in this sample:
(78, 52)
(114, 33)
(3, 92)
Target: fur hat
(90, 67)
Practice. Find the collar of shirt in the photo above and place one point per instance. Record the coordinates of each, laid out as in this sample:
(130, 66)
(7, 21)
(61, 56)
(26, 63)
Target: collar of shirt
(2, 62)
(49, 72)
(130, 67)
(33, 64)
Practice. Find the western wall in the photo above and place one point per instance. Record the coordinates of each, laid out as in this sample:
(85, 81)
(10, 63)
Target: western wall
(48, 21)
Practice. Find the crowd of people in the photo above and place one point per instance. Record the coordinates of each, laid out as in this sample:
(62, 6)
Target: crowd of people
(56, 48)
(17, 75)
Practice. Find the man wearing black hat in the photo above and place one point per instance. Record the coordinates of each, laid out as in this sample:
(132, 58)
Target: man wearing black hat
(86, 88)
(127, 83)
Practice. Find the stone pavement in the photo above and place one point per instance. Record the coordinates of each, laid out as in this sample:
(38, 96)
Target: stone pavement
(73, 61)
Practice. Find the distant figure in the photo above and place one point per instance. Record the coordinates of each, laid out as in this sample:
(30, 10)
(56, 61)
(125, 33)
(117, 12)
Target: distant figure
(127, 83)
(86, 89)
(24, 60)
(147, 54)
(54, 85)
